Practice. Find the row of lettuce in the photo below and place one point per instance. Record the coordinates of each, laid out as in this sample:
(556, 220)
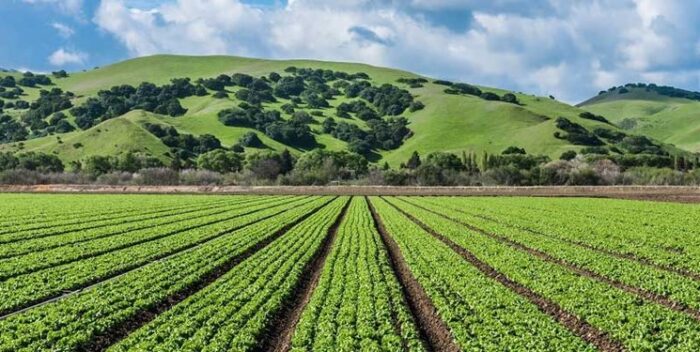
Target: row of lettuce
(629, 273)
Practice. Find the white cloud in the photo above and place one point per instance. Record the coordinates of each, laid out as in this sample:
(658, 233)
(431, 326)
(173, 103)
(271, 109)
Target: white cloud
(62, 57)
(569, 48)
(73, 7)
(63, 30)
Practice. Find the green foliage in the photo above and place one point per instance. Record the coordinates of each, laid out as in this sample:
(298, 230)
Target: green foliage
(251, 139)
(40, 162)
(220, 160)
(122, 99)
(514, 150)
(576, 134)
(591, 116)
(568, 155)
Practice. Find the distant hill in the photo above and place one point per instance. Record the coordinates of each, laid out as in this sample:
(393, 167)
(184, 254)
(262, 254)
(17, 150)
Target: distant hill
(453, 119)
(668, 114)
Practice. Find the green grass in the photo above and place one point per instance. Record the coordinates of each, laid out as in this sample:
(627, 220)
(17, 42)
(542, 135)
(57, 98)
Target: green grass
(448, 123)
(671, 120)
(112, 137)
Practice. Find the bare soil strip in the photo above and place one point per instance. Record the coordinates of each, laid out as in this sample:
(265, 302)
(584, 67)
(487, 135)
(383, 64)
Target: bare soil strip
(115, 275)
(115, 334)
(656, 193)
(278, 337)
(432, 329)
(142, 241)
(627, 256)
(642, 293)
(580, 327)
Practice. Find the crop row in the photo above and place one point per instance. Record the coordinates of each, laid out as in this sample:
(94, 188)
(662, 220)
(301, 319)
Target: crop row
(76, 321)
(119, 238)
(32, 210)
(671, 248)
(481, 313)
(134, 216)
(48, 213)
(25, 289)
(358, 303)
(624, 316)
(234, 312)
(43, 244)
(623, 271)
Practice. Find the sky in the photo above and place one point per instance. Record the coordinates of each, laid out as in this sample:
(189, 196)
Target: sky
(567, 48)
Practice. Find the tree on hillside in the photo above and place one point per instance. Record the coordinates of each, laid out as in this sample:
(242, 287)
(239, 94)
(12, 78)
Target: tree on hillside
(414, 161)
(220, 160)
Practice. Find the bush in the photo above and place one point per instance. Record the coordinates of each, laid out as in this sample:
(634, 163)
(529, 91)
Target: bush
(250, 139)
(514, 150)
(221, 161)
(568, 155)
(157, 176)
(200, 177)
(510, 98)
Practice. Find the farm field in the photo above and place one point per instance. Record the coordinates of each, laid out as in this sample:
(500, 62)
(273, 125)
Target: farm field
(347, 273)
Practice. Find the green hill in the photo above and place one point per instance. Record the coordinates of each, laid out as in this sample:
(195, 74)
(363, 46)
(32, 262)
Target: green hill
(670, 117)
(449, 122)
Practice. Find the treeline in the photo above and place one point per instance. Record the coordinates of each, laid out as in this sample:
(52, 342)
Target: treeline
(468, 89)
(606, 141)
(651, 87)
(119, 100)
(513, 167)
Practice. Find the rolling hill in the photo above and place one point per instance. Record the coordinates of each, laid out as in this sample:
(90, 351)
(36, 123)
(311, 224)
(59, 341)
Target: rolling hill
(448, 122)
(672, 118)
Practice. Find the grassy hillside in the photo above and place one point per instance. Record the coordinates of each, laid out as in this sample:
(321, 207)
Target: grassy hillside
(672, 120)
(452, 123)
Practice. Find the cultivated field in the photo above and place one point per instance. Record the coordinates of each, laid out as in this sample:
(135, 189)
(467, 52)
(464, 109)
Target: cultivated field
(347, 273)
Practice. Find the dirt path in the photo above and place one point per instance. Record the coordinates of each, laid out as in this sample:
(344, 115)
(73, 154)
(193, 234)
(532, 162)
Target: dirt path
(279, 336)
(687, 194)
(433, 330)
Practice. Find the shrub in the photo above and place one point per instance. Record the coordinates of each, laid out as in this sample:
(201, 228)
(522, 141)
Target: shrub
(157, 176)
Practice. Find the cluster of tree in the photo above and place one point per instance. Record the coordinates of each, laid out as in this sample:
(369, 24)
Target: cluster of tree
(359, 108)
(384, 134)
(575, 133)
(387, 99)
(252, 90)
(97, 165)
(41, 162)
(32, 80)
(119, 100)
(250, 139)
(183, 147)
(50, 103)
(293, 132)
(413, 82)
(591, 116)
(11, 93)
(60, 74)
(515, 167)
(8, 82)
(325, 75)
(468, 89)
(651, 87)
(11, 130)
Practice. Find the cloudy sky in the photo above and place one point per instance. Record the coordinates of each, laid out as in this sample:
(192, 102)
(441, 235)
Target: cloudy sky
(567, 48)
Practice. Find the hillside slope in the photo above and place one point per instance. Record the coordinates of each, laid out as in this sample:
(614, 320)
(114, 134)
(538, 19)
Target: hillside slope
(674, 120)
(449, 122)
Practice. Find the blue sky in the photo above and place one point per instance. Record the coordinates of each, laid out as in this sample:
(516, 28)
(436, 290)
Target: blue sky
(567, 48)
